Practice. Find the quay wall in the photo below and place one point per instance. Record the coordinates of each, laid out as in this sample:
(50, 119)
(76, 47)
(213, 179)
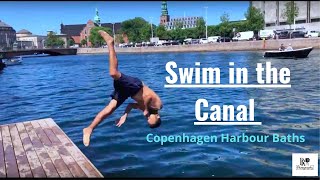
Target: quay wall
(227, 46)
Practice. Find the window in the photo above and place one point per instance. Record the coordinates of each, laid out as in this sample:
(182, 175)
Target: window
(300, 21)
(315, 20)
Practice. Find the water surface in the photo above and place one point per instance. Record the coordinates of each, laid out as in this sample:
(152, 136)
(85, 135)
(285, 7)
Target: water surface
(73, 89)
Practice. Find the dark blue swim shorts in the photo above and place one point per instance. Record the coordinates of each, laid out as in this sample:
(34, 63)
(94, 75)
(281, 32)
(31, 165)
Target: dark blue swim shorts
(125, 87)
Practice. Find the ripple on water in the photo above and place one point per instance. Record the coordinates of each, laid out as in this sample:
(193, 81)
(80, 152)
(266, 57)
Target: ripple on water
(72, 89)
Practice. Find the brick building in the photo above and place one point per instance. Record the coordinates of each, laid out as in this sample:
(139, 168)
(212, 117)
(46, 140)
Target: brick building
(78, 32)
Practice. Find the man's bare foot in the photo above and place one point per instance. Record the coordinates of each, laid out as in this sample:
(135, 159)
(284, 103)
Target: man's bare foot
(106, 37)
(86, 136)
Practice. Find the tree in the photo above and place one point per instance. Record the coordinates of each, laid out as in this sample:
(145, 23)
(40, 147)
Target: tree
(83, 42)
(255, 20)
(224, 28)
(201, 28)
(53, 41)
(145, 32)
(213, 30)
(161, 32)
(290, 12)
(178, 24)
(70, 42)
(95, 38)
(135, 29)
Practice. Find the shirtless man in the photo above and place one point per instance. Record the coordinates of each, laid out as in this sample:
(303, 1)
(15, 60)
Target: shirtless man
(124, 87)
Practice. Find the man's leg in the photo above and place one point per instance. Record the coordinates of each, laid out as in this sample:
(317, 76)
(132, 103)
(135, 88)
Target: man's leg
(113, 61)
(100, 117)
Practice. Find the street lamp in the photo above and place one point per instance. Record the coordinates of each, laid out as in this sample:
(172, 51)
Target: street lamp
(206, 7)
(151, 27)
(113, 31)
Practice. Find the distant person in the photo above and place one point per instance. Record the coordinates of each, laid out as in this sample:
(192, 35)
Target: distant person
(124, 87)
(282, 48)
(289, 48)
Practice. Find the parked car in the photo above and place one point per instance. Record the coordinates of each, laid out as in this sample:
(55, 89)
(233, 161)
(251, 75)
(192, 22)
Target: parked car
(203, 41)
(172, 42)
(213, 39)
(224, 39)
(187, 41)
(195, 41)
(297, 34)
(284, 35)
(312, 34)
(138, 44)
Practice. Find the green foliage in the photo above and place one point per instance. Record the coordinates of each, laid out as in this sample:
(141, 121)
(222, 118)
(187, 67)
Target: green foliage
(291, 11)
(224, 27)
(224, 18)
(137, 29)
(53, 41)
(201, 28)
(255, 20)
(161, 32)
(83, 42)
(95, 38)
(70, 42)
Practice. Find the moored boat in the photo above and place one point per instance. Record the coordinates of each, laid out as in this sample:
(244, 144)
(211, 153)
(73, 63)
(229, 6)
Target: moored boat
(12, 62)
(297, 53)
(2, 65)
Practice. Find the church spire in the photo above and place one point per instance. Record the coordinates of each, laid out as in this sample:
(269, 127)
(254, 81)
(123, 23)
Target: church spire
(97, 18)
(164, 9)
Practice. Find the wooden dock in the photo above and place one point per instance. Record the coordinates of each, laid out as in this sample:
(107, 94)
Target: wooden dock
(39, 148)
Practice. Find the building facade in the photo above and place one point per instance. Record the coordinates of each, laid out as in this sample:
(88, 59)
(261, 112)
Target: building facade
(308, 15)
(7, 36)
(172, 23)
(184, 22)
(26, 40)
(78, 32)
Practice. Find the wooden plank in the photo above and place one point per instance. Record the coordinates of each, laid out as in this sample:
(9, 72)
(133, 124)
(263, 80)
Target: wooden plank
(59, 164)
(9, 156)
(2, 163)
(83, 162)
(34, 162)
(43, 156)
(65, 155)
(22, 161)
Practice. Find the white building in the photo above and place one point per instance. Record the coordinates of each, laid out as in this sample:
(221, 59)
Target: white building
(26, 40)
(308, 16)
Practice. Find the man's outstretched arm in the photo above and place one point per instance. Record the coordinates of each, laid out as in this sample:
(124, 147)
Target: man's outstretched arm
(126, 112)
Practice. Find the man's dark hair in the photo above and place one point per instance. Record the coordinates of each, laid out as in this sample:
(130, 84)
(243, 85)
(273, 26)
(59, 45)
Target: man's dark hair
(157, 124)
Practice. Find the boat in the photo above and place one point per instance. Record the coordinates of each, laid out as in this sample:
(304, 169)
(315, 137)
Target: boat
(12, 62)
(2, 65)
(297, 53)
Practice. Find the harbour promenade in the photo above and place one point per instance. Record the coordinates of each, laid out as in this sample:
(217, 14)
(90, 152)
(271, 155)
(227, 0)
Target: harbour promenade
(227, 46)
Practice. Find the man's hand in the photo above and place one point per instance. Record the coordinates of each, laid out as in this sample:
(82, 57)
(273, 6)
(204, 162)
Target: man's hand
(121, 120)
(146, 113)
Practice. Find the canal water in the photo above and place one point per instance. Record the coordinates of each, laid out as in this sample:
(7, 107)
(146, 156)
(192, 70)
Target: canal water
(73, 89)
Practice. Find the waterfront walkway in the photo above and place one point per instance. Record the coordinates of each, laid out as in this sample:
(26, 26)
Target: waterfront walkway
(39, 148)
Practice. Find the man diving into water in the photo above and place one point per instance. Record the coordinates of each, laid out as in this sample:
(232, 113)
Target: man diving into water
(124, 87)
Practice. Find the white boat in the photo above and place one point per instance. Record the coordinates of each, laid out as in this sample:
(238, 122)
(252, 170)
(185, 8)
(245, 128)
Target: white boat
(12, 62)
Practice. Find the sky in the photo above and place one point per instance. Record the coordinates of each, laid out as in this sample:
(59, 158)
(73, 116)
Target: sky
(38, 17)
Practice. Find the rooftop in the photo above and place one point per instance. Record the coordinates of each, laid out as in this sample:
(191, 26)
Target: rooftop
(24, 31)
(2, 24)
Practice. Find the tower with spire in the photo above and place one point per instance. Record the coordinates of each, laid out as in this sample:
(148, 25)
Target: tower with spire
(97, 18)
(164, 18)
